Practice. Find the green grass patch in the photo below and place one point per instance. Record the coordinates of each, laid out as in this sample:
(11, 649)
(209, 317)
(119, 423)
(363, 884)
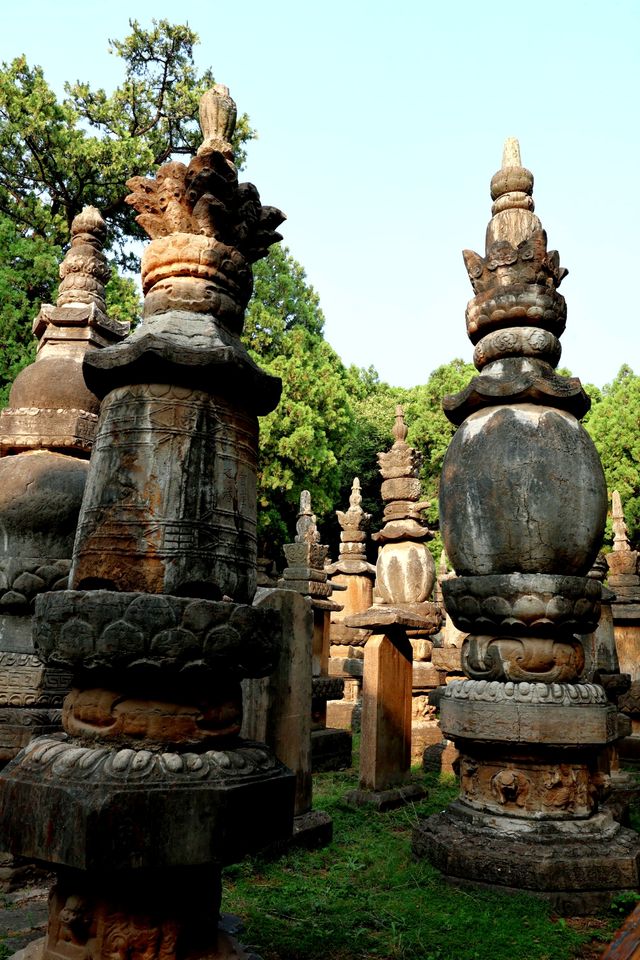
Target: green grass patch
(364, 896)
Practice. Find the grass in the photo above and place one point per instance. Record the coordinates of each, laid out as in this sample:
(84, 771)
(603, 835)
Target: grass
(364, 896)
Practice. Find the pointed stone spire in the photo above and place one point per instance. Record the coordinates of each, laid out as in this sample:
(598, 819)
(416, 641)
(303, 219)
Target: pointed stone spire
(516, 317)
(511, 190)
(353, 537)
(50, 406)
(620, 533)
(622, 561)
(306, 528)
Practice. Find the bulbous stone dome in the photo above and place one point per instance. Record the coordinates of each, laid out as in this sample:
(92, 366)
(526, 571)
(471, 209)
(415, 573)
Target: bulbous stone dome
(40, 497)
(53, 382)
(522, 491)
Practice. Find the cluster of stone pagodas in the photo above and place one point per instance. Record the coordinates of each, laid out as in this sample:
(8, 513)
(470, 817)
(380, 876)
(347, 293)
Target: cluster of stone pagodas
(306, 573)
(150, 789)
(46, 435)
(400, 615)
(522, 505)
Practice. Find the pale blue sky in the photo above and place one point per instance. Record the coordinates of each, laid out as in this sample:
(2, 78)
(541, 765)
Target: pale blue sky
(380, 127)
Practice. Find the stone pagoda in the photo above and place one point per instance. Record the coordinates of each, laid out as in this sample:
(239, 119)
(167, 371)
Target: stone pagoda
(46, 435)
(355, 575)
(401, 617)
(624, 581)
(523, 505)
(150, 789)
(306, 574)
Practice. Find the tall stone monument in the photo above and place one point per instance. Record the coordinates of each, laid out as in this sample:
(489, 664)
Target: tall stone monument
(355, 575)
(522, 505)
(150, 789)
(46, 435)
(401, 615)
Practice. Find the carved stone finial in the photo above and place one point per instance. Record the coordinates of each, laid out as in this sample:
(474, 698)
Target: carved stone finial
(516, 318)
(84, 270)
(218, 114)
(399, 427)
(196, 214)
(620, 532)
(354, 521)
(306, 529)
(511, 189)
(442, 565)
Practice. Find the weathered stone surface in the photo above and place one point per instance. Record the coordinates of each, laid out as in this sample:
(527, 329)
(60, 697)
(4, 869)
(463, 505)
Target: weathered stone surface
(330, 749)
(135, 809)
(533, 723)
(91, 629)
(553, 523)
(385, 749)
(383, 800)
(527, 604)
(149, 527)
(40, 495)
(276, 708)
(565, 862)
(423, 616)
(405, 572)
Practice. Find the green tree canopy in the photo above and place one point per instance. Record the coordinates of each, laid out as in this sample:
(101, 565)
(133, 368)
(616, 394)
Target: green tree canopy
(614, 425)
(59, 155)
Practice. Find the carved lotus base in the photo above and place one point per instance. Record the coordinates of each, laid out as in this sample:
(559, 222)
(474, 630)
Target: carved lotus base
(102, 631)
(577, 865)
(524, 604)
(110, 808)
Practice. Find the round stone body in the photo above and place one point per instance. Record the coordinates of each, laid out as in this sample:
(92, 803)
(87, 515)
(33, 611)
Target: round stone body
(405, 572)
(522, 490)
(40, 496)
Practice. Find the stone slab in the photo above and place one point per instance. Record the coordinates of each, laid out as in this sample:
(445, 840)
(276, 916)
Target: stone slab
(418, 616)
(312, 830)
(383, 800)
(330, 750)
(385, 750)
(536, 723)
(345, 667)
(447, 658)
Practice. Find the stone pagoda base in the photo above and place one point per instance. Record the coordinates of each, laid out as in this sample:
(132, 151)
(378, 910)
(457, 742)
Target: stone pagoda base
(577, 866)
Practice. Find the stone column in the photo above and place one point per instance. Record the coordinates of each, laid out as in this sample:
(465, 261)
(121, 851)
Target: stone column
(522, 507)
(46, 435)
(400, 616)
(151, 788)
(353, 574)
(276, 709)
(306, 573)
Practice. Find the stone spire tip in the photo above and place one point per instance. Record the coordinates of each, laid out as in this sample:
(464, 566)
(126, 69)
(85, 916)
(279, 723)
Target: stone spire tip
(511, 153)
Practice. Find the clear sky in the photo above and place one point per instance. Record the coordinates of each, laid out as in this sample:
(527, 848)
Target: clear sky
(380, 125)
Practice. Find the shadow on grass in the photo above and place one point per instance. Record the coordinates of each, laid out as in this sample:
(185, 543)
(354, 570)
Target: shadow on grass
(364, 896)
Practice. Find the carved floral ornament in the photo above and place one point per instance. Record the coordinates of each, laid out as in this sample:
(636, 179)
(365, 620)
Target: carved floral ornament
(227, 225)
